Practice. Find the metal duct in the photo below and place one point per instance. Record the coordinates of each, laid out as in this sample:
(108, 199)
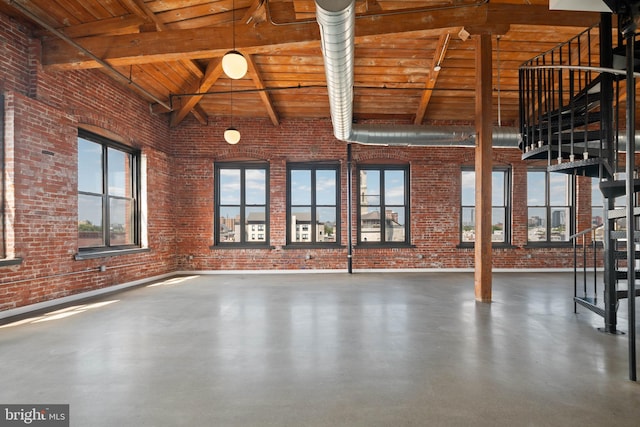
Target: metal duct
(449, 136)
(337, 21)
(337, 29)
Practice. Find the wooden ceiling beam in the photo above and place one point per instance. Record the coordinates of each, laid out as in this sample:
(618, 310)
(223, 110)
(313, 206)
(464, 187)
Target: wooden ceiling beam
(441, 50)
(204, 43)
(211, 75)
(125, 24)
(264, 95)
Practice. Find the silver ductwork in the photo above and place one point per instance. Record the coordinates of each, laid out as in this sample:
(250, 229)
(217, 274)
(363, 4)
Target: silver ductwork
(337, 28)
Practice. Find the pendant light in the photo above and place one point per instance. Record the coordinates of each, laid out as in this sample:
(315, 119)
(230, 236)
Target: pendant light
(234, 64)
(231, 134)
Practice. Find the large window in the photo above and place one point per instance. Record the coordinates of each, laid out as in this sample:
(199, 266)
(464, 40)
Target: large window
(500, 206)
(313, 204)
(383, 214)
(241, 204)
(549, 206)
(108, 194)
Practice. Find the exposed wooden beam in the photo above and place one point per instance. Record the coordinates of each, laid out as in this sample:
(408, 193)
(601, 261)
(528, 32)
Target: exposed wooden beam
(438, 57)
(212, 73)
(200, 43)
(200, 115)
(126, 24)
(483, 167)
(264, 95)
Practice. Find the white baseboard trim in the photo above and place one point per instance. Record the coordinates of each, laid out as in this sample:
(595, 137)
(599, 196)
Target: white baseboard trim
(18, 311)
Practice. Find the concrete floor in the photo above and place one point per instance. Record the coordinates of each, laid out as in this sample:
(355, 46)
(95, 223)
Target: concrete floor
(407, 349)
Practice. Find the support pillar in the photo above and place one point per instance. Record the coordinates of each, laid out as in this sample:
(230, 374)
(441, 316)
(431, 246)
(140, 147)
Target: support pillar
(483, 167)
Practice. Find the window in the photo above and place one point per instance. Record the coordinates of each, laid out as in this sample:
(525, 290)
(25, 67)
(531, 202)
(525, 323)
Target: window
(597, 209)
(383, 212)
(313, 204)
(549, 210)
(241, 201)
(500, 206)
(108, 194)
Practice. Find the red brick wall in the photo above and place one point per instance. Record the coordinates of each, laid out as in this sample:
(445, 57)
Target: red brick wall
(435, 200)
(44, 110)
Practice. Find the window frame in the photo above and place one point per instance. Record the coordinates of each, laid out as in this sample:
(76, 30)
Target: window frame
(382, 168)
(571, 182)
(507, 206)
(135, 187)
(243, 167)
(313, 167)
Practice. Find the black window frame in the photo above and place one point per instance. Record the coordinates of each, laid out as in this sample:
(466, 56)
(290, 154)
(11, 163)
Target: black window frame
(383, 206)
(507, 206)
(243, 167)
(136, 156)
(313, 167)
(571, 179)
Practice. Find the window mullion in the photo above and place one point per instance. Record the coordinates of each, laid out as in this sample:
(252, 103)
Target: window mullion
(105, 197)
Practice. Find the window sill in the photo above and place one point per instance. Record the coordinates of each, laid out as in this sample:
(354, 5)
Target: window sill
(80, 256)
(10, 261)
(538, 245)
(384, 245)
(240, 246)
(314, 246)
(493, 246)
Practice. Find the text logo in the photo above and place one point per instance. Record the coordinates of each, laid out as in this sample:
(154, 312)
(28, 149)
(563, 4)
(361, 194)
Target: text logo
(34, 415)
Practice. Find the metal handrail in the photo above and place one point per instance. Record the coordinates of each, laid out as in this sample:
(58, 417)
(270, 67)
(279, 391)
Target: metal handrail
(574, 238)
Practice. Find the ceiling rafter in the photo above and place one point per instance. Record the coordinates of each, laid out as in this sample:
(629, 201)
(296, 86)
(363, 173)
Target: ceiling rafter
(441, 50)
(211, 75)
(205, 43)
(264, 95)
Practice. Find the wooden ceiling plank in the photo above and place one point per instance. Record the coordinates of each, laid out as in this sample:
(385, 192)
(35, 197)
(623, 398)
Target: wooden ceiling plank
(212, 73)
(264, 95)
(211, 42)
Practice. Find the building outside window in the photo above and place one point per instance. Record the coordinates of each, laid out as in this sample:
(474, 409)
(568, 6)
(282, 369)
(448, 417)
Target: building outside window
(500, 206)
(313, 203)
(549, 206)
(108, 193)
(383, 204)
(597, 209)
(241, 204)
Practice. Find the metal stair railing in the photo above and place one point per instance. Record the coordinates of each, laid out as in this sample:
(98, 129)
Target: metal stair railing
(588, 301)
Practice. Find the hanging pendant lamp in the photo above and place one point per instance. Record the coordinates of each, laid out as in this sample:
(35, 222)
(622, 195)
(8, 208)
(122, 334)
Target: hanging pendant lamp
(231, 134)
(234, 64)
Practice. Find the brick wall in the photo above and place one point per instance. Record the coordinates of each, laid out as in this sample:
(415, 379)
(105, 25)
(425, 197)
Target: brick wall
(43, 111)
(435, 200)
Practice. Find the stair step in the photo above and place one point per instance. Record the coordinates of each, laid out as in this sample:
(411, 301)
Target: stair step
(622, 254)
(621, 294)
(590, 303)
(622, 275)
(622, 213)
(622, 234)
(589, 167)
(617, 188)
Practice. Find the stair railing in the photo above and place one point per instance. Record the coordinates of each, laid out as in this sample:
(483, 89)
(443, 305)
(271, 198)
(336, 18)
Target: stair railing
(582, 236)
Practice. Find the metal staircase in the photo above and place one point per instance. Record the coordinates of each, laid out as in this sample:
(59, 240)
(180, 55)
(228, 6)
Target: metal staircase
(573, 115)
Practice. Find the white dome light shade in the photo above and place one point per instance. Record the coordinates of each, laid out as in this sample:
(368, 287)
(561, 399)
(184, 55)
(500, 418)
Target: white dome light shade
(232, 135)
(234, 65)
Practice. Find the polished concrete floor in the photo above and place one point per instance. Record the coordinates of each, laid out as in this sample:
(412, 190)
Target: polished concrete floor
(407, 349)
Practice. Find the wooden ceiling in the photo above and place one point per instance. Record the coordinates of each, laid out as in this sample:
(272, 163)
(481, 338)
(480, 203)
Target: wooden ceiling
(171, 51)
